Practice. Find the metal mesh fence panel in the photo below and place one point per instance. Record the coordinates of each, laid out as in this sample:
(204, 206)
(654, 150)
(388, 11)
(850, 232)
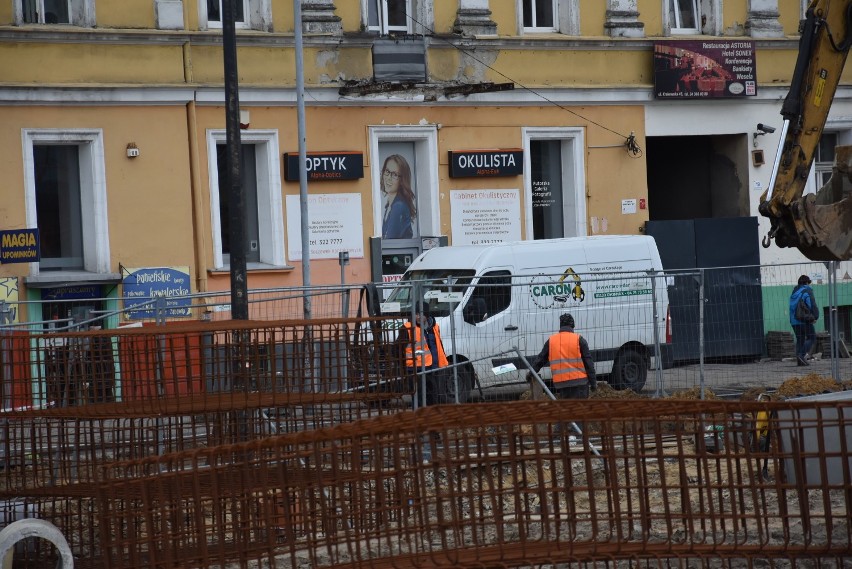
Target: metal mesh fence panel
(653, 482)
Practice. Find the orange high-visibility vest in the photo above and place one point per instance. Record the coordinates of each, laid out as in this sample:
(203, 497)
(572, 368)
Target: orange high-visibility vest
(414, 360)
(566, 362)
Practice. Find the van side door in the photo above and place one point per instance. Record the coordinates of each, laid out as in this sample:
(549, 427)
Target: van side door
(491, 326)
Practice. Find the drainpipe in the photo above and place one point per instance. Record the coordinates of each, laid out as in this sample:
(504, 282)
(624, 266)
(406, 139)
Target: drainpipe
(199, 228)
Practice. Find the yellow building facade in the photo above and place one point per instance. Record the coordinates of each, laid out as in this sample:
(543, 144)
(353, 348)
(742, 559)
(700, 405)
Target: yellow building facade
(513, 124)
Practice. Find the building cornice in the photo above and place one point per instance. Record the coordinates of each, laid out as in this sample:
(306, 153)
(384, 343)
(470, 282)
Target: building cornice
(351, 40)
(318, 97)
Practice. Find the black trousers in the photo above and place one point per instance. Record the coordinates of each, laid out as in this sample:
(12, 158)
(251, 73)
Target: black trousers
(438, 387)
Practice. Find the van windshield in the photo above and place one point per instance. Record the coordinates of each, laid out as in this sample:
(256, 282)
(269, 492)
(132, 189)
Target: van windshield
(432, 283)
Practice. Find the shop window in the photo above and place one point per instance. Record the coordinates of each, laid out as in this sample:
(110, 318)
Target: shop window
(251, 14)
(405, 183)
(543, 16)
(554, 183)
(66, 199)
(261, 181)
(74, 12)
(248, 179)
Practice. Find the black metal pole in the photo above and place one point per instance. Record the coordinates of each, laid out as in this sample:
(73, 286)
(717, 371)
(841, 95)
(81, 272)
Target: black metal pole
(236, 197)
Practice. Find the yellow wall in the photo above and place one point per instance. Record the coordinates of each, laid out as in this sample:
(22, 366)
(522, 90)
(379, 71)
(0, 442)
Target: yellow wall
(156, 187)
(50, 64)
(504, 14)
(592, 18)
(125, 14)
(350, 15)
(149, 199)
(445, 16)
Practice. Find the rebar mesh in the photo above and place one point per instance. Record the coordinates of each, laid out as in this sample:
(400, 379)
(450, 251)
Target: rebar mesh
(507, 485)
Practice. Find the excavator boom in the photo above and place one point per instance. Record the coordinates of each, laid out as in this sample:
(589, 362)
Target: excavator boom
(819, 225)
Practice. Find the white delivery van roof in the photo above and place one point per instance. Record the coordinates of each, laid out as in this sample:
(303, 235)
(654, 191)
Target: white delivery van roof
(532, 253)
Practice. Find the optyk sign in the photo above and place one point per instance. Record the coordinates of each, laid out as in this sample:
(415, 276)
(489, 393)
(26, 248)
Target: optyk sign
(325, 166)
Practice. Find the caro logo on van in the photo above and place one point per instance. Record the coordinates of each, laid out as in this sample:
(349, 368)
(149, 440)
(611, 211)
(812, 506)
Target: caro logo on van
(547, 293)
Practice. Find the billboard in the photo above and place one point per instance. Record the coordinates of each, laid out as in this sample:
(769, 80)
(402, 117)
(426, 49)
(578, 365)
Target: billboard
(704, 69)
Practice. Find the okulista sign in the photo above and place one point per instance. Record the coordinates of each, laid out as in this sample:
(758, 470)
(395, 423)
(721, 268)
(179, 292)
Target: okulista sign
(479, 163)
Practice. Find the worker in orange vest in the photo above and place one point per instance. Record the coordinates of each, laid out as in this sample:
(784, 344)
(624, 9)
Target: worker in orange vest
(570, 360)
(425, 353)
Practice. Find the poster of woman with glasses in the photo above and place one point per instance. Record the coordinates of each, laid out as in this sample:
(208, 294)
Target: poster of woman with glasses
(399, 202)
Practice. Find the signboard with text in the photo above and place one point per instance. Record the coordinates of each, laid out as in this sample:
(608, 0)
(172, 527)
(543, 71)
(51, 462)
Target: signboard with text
(335, 225)
(325, 166)
(141, 286)
(19, 246)
(704, 69)
(485, 163)
(485, 217)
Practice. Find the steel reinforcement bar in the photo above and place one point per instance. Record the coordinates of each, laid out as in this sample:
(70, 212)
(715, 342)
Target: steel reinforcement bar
(694, 483)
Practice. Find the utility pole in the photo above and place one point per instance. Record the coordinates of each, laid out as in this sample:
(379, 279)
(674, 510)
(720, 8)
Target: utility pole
(235, 195)
(303, 173)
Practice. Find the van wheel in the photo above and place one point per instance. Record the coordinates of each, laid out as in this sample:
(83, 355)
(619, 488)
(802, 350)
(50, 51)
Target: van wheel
(629, 371)
(466, 382)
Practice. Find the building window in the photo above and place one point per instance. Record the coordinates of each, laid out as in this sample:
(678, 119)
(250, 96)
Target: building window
(539, 15)
(386, 16)
(554, 183)
(46, 12)
(824, 159)
(692, 17)
(215, 12)
(251, 14)
(66, 199)
(261, 178)
(547, 16)
(74, 12)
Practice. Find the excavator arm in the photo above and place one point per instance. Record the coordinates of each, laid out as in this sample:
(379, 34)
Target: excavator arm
(819, 225)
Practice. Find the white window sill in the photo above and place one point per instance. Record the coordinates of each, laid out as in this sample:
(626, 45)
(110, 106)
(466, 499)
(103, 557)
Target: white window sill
(254, 267)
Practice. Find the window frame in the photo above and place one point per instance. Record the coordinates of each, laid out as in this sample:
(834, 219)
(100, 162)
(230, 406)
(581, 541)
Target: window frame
(93, 192)
(81, 13)
(217, 24)
(425, 139)
(270, 216)
(257, 14)
(423, 21)
(573, 151)
(709, 10)
(675, 27)
(555, 9)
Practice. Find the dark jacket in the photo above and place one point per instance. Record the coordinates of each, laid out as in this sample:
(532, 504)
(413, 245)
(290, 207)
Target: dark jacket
(397, 224)
(543, 359)
(798, 292)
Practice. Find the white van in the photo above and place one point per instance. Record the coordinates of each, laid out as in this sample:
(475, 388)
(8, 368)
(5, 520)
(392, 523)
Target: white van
(489, 300)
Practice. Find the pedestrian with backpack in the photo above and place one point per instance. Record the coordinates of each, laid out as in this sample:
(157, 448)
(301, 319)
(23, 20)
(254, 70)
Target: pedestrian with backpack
(803, 314)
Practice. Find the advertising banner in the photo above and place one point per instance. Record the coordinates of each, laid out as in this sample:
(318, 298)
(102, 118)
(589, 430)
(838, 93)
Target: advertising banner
(19, 246)
(335, 225)
(170, 283)
(708, 69)
(485, 217)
